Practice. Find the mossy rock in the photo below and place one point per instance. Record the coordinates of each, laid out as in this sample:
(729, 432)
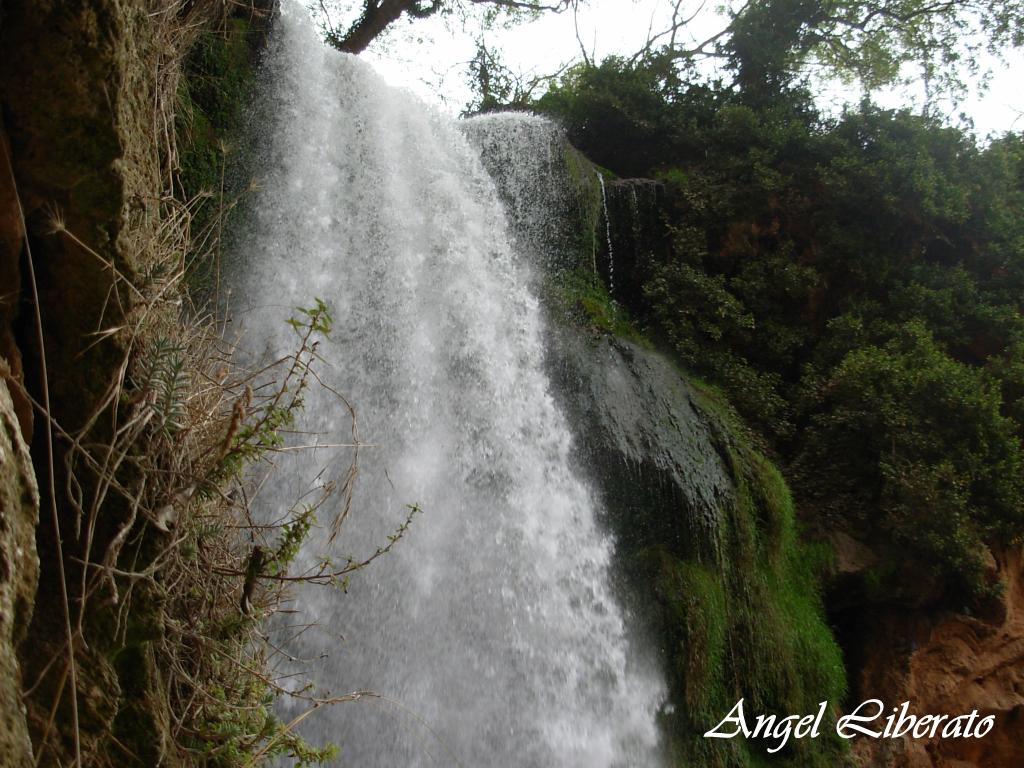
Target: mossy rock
(215, 91)
(705, 523)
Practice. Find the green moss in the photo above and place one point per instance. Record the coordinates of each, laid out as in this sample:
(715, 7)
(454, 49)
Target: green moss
(586, 214)
(746, 621)
(749, 624)
(214, 92)
(696, 603)
(588, 196)
(581, 297)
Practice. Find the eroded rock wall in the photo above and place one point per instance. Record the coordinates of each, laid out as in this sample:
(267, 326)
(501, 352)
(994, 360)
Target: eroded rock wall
(19, 495)
(19, 569)
(951, 663)
(645, 436)
(78, 93)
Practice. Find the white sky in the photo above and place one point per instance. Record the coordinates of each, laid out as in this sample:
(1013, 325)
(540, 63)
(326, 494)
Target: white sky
(429, 57)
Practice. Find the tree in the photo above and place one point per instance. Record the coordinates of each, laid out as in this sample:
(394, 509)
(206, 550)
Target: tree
(496, 87)
(873, 39)
(915, 443)
(769, 42)
(375, 16)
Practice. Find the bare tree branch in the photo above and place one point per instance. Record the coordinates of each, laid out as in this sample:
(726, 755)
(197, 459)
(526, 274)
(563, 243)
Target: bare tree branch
(576, 25)
(378, 15)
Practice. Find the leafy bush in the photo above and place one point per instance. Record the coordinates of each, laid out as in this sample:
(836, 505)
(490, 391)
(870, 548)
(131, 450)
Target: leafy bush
(907, 438)
(852, 283)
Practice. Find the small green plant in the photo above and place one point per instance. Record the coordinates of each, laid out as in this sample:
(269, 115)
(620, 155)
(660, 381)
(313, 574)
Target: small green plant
(249, 439)
(163, 385)
(581, 295)
(242, 730)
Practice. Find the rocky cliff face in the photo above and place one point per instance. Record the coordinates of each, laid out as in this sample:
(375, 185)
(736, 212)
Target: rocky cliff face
(78, 90)
(645, 436)
(951, 663)
(19, 494)
(12, 239)
(19, 569)
(79, 94)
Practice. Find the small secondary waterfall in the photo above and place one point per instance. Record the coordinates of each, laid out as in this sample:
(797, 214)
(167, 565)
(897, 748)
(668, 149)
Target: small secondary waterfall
(608, 235)
(491, 627)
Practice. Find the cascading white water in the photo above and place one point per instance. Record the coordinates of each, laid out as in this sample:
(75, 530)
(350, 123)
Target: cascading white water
(608, 235)
(492, 624)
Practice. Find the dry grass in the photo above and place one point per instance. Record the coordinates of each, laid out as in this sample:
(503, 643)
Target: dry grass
(181, 424)
(164, 559)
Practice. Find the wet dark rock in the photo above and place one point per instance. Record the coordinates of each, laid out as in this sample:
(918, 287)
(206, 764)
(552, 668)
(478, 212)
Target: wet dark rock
(636, 237)
(643, 438)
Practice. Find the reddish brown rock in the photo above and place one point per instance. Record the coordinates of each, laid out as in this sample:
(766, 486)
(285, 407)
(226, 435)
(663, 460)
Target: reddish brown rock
(12, 238)
(952, 664)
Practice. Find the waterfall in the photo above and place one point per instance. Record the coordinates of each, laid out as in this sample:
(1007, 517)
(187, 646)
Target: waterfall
(608, 235)
(491, 630)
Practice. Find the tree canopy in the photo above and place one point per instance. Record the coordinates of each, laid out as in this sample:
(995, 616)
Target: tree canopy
(767, 44)
(853, 283)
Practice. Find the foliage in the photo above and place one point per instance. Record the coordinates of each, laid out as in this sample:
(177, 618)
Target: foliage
(625, 117)
(239, 721)
(882, 422)
(582, 295)
(747, 622)
(872, 39)
(495, 86)
(162, 375)
(853, 283)
(770, 44)
(249, 439)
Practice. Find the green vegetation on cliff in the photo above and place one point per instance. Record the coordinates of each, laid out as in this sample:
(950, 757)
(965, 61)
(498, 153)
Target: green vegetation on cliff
(748, 623)
(215, 89)
(709, 542)
(853, 284)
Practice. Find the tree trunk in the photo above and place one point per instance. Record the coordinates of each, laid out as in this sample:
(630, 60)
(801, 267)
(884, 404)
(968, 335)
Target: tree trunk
(376, 17)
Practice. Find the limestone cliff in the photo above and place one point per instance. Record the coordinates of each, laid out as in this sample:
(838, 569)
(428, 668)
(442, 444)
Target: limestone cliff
(951, 663)
(79, 91)
(19, 568)
(647, 435)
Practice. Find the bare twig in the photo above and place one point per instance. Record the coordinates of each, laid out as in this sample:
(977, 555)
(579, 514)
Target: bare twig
(50, 477)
